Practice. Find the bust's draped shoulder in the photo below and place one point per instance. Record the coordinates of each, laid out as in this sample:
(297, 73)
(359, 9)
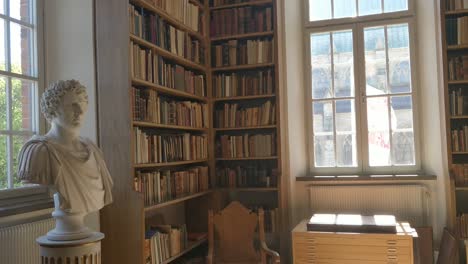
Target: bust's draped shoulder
(35, 162)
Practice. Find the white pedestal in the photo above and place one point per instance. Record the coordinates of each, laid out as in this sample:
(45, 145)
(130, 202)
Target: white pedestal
(83, 251)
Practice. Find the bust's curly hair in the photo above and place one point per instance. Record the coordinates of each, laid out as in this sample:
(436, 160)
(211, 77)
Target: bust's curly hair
(52, 96)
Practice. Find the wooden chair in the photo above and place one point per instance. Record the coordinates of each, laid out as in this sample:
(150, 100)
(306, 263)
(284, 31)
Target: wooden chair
(448, 248)
(232, 236)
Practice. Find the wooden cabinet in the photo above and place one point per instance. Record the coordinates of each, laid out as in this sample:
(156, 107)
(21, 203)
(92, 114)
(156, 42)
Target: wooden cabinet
(344, 248)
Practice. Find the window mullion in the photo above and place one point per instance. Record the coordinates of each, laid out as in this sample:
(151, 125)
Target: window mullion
(387, 69)
(333, 101)
(9, 138)
(361, 112)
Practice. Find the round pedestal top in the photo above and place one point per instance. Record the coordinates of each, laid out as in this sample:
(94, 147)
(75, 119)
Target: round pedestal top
(95, 237)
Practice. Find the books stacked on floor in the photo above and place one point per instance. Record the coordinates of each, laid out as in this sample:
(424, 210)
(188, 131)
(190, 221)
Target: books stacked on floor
(164, 241)
(456, 4)
(152, 147)
(182, 10)
(163, 185)
(458, 103)
(271, 219)
(246, 176)
(241, 21)
(460, 173)
(458, 68)
(149, 106)
(241, 52)
(233, 115)
(152, 28)
(457, 30)
(148, 66)
(243, 83)
(460, 139)
(247, 145)
(462, 226)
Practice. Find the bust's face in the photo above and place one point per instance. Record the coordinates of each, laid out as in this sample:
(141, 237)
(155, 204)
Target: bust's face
(70, 113)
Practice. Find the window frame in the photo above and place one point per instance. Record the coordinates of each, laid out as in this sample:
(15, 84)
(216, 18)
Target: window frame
(357, 25)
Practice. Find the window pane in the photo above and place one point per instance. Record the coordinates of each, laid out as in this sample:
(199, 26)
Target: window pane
(2, 7)
(345, 133)
(324, 151)
(399, 58)
(3, 162)
(323, 117)
(369, 7)
(375, 57)
(3, 103)
(18, 142)
(321, 65)
(319, 10)
(20, 9)
(343, 65)
(323, 134)
(22, 95)
(344, 8)
(21, 49)
(378, 127)
(402, 130)
(3, 58)
(395, 5)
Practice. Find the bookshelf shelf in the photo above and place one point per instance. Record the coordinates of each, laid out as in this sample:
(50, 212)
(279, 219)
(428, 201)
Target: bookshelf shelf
(246, 128)
(168, 164)
(457, 12)
(175, 201)
(457, 82)
(457, 47)
(176, 23)
(460, 153)
(153, 125)
(167, 54)
(250, 189)
(169, 91)
(243, 67)
(240, 98)
(250, 158)
(459, 117)
(465, 188)
(251, 3)
(244, 36)
(191, 245)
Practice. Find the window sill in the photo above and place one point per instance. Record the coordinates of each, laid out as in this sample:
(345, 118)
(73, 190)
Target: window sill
(24, 200)
(368, 178)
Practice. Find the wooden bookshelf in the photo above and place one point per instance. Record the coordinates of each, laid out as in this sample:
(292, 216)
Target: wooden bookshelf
(168, 164)
(162, 126)
(457, 82)
(249, 3)
(457, 47)
(244, 36)
(250, 189)
(459, 117)
(457, 12)
(242, 98)
(243, 67)
(168, 91)
(191, 245)
(246, 128)
(250, 158)
(151, 208)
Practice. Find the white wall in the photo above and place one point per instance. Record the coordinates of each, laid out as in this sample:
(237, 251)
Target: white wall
(69, 54)
(431, 122)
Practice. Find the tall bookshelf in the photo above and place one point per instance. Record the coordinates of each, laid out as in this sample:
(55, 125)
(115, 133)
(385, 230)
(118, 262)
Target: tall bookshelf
(454, 28)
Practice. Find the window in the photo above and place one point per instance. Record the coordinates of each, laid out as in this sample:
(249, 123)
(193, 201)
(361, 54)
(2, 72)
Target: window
(19, 83)
(361, 96)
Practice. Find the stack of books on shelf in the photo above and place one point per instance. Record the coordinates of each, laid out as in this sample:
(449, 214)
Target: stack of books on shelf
(247, 145)
(457, 30)
(246, 176)
(148, 106)
(242, 52)
(164, 185)
(460, 139)
(243, 84)
(182, 10)
(233, 115)
(456, 4)
(458, 68)
(152, 28)
(152, 147)
(462, 226)
(148, 66)
(458, 103)
(163, 242)
(241, 21)
(460, 174)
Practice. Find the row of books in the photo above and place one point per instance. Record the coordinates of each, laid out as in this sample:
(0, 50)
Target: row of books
(236, 52)
(457, 30)
(164, 185)
(182, 10)
(248, 176)
(460, 139)
(149, 106)
(146, 65)
(241, 21)
(458, 103)
(458, 68)
(233, 115)
(243, 84)
(152, 28)
(456, 4)
(460, 174)
(245, 146)
(228, 2)
(462, 226)
(163, 242)
(153, 148)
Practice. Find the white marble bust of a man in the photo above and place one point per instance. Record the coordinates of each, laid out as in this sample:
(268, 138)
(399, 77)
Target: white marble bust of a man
(74, 166)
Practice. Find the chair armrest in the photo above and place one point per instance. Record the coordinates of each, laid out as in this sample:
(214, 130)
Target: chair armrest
(273, 254)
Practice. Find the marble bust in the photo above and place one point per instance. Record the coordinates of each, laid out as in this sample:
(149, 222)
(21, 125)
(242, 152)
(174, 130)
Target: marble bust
(71, 165)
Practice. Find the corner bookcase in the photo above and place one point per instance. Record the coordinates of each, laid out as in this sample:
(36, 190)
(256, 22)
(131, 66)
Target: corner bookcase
(454, 28)
(200, 118)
